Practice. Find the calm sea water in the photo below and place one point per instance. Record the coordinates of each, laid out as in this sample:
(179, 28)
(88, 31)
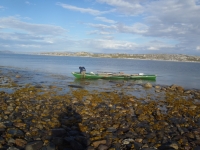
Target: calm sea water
(186, 74)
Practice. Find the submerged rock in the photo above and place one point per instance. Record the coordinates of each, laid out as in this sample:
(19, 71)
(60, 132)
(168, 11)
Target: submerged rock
(75, 86)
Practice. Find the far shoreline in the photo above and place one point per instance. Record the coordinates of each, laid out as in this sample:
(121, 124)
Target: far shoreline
(120, 58)
(146, 55)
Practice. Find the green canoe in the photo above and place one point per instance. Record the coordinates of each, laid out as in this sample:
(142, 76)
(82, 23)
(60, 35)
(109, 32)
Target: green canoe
(92, 75)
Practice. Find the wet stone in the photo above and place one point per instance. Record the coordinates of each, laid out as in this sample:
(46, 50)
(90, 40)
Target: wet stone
(90, 148)
(148, 149)
(19, 124)
(76, 145)
(50, 146)
(69, 139)
(13, 148)
(34, 145)
(75, 86)
(38, 86)
(20, 142)
(18, 76)
(82, 140)
(190, 135)
(137, 145)
(148, 85)
(2, 131)
(59, 132)
(111, 129)
(116, 146)
(97, 143)
(15, 132)
(73, 133)
(197, 148)
(102, 147)
(173, 146)
(127, 141)
(2, 140)
(197, 142)
(11, 141)
(157, 87)
(139, 140)
(157, 91)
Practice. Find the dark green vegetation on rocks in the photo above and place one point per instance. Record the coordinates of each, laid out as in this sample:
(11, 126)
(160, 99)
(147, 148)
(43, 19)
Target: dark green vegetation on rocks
(39, 117)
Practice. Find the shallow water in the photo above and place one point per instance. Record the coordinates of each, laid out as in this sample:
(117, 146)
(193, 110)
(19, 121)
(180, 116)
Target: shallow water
(185, 74)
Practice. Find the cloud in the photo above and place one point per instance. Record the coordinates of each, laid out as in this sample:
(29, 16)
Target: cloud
(172, 25)
(197, 2)
(111, 44)
(42, 29)
(157, 45)
(29, 3)
(177, 11)
(174, 20)
(2, 7)
(115, 46)
(84, 10)
(23, 36)
(28, 46)
(103, 27)
(153, 48)
(24, 42)
(137, 28)
(127, 7)
(103, 19)
(99, 32)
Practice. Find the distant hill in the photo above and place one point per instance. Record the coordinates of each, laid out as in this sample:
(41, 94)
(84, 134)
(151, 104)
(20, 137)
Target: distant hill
(6, 52)
(168, 57)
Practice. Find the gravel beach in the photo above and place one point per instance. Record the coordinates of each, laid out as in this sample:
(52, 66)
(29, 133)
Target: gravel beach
(46, 112)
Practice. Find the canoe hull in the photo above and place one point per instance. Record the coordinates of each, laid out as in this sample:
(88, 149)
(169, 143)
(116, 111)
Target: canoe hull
(97, 76)
(87, 76)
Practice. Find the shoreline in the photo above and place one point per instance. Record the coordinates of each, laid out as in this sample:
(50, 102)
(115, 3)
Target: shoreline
(38, 114)
(109, 57)
(118, 58)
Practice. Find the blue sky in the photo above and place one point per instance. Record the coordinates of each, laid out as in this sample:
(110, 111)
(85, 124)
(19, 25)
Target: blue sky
(101, 26)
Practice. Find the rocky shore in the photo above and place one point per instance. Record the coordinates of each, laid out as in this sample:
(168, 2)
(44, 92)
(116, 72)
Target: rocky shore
(39, 117)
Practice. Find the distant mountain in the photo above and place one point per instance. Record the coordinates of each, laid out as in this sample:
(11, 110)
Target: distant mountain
(6, 52)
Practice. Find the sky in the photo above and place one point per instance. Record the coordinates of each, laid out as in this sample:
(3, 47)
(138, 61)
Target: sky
(101, 26)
